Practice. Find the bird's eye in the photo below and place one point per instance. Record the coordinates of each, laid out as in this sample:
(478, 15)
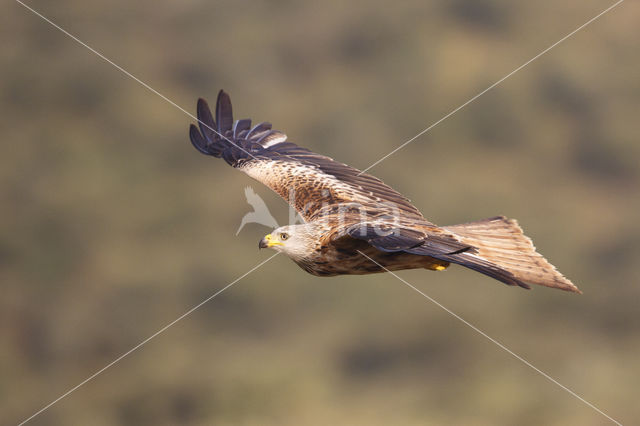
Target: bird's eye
(284, 236)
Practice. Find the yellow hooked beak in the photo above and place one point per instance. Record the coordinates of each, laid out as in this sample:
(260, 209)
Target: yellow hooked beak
(268, 241)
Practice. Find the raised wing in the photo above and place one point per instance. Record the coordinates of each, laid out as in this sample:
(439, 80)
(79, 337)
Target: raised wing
(315, 185)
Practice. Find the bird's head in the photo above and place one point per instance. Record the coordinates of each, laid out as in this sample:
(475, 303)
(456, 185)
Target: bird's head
(296, 241)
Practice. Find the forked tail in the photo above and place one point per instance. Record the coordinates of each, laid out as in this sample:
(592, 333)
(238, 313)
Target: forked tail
(505, 253)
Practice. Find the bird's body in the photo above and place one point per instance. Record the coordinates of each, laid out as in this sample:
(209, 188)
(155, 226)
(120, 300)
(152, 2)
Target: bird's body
(356, 259)
(354, 223)
(327, 254)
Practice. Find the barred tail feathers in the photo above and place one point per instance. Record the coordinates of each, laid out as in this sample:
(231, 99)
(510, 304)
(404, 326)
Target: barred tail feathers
(503, 247)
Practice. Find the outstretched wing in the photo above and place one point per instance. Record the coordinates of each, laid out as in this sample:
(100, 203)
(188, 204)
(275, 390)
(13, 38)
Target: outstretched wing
(315, 185)
(398, 235)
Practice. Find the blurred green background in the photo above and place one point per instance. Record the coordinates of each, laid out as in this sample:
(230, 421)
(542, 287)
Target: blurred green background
(112, 225)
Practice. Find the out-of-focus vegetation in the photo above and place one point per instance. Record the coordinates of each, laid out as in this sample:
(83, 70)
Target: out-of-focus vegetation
(112, 225)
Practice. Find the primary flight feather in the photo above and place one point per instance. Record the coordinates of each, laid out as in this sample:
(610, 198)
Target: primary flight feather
(354, 223)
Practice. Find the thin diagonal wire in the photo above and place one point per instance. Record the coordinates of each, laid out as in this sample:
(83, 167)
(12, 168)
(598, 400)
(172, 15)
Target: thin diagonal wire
(493, 85)
(500, 345)
(145, 341)
(128, 74)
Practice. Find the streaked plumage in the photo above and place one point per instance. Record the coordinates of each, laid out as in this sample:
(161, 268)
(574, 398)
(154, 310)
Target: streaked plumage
(347, 212)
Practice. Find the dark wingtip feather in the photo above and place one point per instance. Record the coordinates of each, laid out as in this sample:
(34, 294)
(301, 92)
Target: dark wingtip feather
(197, 140)
(206, 121)
(202, 107)
(224, 112)
(241, 127)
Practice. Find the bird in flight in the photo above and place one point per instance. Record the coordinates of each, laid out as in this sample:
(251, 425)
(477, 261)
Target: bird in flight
(353, 222)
